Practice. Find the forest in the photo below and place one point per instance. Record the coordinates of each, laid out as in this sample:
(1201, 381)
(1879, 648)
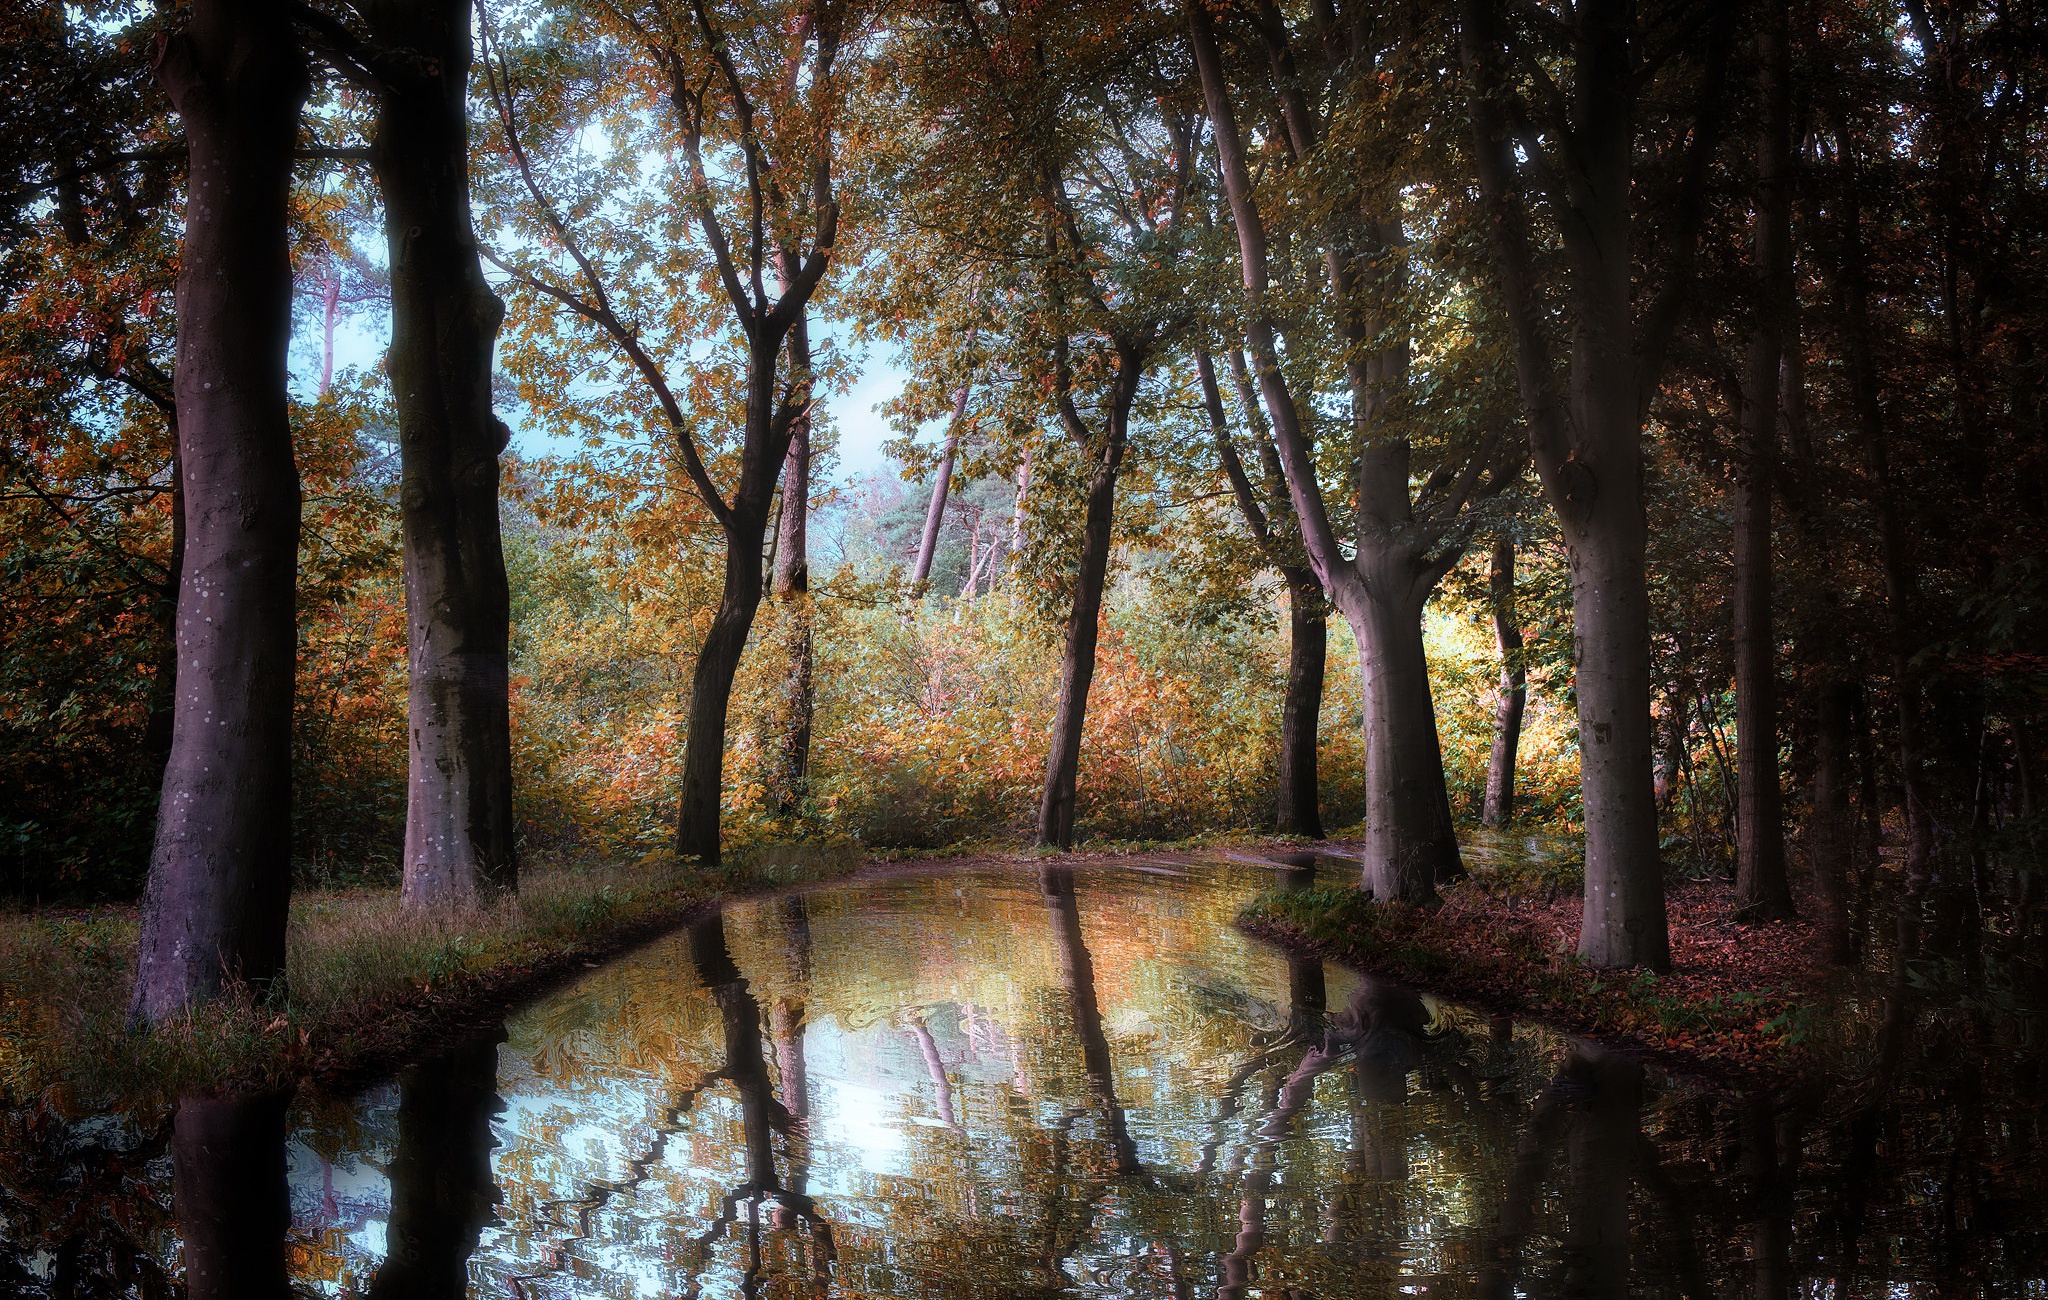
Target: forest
(1577, 466)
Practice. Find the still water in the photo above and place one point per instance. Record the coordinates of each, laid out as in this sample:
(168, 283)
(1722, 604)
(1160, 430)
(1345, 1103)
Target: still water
(1046, 1081)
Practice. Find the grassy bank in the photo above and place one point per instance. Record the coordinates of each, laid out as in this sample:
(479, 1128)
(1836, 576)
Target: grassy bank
(367, 985)
(1736, 1006)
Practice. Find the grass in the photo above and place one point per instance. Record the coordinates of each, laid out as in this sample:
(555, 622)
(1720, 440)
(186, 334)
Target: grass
(366, 983)
(1730, 1020)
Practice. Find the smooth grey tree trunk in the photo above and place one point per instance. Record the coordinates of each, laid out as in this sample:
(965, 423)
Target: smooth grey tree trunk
(1410, 843)
(942, 484)
(1499, 808)
(219, 885)
(791, 587)
(460, 843)
(1762, 892)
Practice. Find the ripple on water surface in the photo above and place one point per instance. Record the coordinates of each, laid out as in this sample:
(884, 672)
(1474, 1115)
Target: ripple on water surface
(1034, 1081)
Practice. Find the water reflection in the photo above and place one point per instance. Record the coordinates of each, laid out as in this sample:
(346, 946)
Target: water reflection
(1034, 1083)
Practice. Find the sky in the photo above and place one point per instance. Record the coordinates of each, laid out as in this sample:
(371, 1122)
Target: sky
(360, 341)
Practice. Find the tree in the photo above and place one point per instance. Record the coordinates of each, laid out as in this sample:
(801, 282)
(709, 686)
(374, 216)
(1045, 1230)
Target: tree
(1514, 687)
(1269, 517)
(1761, 890)
(459, 838)
(220, 876)
(1405, 537)
(1580, 146)
(758, 89)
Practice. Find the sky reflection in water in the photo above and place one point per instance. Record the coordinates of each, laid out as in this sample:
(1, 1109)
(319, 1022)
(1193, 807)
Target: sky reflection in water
(1007, 1084)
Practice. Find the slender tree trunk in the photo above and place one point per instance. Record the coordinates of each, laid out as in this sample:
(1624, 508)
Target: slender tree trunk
(739, 600)
(330, 312)
(233, 1207)
(942, 483)
(1077, 667)
(442, 1192)
(220, 876)
(1301, 709)
(1761, 890)
(1514, 689)
(459, 838)
(792, 587)
(1830, 829)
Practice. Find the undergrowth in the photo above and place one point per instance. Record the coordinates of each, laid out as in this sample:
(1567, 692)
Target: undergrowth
(357, 965)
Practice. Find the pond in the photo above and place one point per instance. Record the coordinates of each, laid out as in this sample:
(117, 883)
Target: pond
(1048, 1081)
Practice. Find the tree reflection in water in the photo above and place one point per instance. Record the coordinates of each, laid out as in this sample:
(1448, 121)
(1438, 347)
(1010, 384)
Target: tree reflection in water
(1049, 1082)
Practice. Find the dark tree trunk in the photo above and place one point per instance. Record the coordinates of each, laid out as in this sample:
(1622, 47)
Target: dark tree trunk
(1588, 440)
(459, 841)
(792, 588)
(764, 447)
(220, 875)
(1761, 890)
(1514, 689)
(1602, 1137)
(1301, 710)
(163, 690)
(697, 819)
(233, 1207)
(1410, 843)
(1298, 810)
(1077, 666)
(442, 1191)
(1830, 828)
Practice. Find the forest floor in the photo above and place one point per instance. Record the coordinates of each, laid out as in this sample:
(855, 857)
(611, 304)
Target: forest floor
(367, 989)
(1741, 1004)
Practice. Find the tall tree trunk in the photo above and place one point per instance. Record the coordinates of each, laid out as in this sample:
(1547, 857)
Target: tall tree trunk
(1830, 829)
(459, 838)
(1587, 441)
(1409, 840)
(233, 1207)
(1514, 688)
(441, 1185)
(1901, 586)
(163, 688)
(1761, 890)
(1301, 709)
(220, 875)
(745, 525)
(942, 484)
(1077, 665)
(1297, 811)
(792, 588)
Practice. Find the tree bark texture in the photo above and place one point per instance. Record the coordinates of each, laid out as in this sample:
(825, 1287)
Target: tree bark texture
(459, 837)
(220, 874)
(1297, 801)
(792, 589)
(442, 1191)
(942, 484)
(1830, 826)
(1410, 843)
(1499, 808)
(1298, 804)
(1084, 629)
(1762, 892)
(1587, 440)
(233, 1207)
